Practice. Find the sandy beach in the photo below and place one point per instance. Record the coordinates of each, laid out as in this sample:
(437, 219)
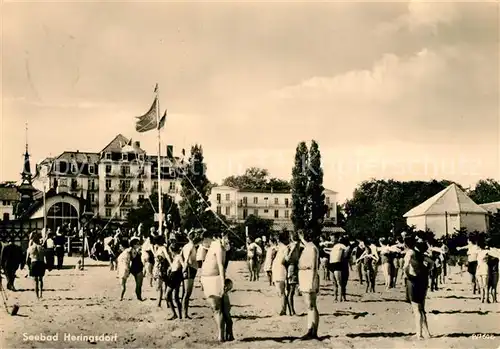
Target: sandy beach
(81, 309)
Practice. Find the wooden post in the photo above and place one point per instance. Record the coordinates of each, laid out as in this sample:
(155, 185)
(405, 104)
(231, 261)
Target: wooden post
(69, 246)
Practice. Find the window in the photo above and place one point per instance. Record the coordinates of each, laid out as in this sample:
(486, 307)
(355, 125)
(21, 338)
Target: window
(122, 198)
(276, 201)
(124, 212)
(91, 184)
(266, 211)
(155, 185)
(108, 198)
(140, 187)
(256, 213)
(219, 210)
(74, 184)
(108, 157)
(171, 186)
(328, 213)
(108, 212)
(245, 213)
(6, 216)
(286, 202)
(228, 197)
(124, 157)
(245, 200)
(74, 168)
(125, 170)
(218, 198)
(92, 197)
(228, 211)
(91, 169)
(141, 198)
(5, 203)
(141, 157)
(276, 214)
(108, 169)
(255, 200)
(287, 214)
(64, 182)
(327, 200)
(108, 184)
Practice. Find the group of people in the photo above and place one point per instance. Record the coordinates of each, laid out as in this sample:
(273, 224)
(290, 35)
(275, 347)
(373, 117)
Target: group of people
(292, 261)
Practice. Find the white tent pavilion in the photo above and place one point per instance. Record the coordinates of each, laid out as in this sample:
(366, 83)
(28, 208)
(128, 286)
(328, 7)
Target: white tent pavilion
(448, 211)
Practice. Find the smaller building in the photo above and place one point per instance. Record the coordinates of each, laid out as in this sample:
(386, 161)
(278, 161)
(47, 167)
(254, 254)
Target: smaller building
(9, 197)
(238, 204)
(448, 211)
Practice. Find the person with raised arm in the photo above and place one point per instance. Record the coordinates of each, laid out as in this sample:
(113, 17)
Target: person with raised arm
(308, 276)
(472, 250)
(368, 260)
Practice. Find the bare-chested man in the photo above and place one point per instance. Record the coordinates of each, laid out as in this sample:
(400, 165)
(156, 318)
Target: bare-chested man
(213, 279)
(189, 271)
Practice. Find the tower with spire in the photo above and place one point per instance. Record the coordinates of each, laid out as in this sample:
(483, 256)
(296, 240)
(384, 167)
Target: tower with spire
(26, 189)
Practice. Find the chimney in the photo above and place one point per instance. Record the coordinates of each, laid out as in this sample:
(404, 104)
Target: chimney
(137, 144)
(170, 151)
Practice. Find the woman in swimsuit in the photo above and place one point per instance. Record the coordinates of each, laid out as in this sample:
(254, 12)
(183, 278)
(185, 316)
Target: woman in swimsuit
(368, 260)
(268, 261)
(308, 276)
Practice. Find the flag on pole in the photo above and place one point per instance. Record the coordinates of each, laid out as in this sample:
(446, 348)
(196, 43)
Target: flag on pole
(162, 120)
(148, 121)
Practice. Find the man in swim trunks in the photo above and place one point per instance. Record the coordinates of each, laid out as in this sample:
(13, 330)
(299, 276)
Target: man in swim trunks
(213, 279)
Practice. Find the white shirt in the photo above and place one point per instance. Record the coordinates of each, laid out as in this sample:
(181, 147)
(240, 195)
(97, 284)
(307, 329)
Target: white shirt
(49, 243)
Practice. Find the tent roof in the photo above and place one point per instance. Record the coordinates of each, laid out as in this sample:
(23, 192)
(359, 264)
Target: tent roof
(451, 200)
(491, 207)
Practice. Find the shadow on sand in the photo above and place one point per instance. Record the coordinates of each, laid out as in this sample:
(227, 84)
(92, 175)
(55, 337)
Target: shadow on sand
(382, 300)
(44, 290)
(379, 334)
(478, 312)
(348, 313)
(283, 339)
(457, 297)
(468, 335)
(251, 317)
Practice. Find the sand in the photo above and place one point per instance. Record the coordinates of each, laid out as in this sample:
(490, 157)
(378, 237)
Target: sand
(87, 303)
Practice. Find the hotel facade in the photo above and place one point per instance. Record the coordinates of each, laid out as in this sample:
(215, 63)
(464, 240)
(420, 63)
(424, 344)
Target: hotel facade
(114, 180)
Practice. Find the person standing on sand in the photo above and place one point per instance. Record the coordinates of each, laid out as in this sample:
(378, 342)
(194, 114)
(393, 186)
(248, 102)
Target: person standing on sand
(367, 259)
(59, 248)
(174, 280)
(472, 251)
(36, 263)
(254, 253)
(308, 276)
(213, 279)
(124, 262)
(292, 261)
(417, 266)
(49, 251)
(147, 258)
(268, 261)
(279, 271)
(336, 264)
(189, 271)
(12, 258)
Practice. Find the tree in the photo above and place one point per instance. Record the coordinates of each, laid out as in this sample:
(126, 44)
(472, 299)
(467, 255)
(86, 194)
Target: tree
(257, 227)
(341, 220)
(144, 213)
(299, 187)
(315, 207)
(486, 190)
(195, 190)
(256, 178)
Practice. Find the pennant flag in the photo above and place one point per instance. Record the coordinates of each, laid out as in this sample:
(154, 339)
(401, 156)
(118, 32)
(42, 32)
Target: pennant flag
(162, 120)
(156, 88)
(147, 122)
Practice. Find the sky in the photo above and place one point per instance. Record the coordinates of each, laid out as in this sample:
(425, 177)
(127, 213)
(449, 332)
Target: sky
(402, 90)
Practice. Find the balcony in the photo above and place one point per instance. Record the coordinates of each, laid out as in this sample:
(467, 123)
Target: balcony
(94, 188)
(110, 189)
(128, 203)
(110, 203)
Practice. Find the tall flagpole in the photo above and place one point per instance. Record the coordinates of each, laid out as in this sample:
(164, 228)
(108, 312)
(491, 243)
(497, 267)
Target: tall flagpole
(160, 209)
